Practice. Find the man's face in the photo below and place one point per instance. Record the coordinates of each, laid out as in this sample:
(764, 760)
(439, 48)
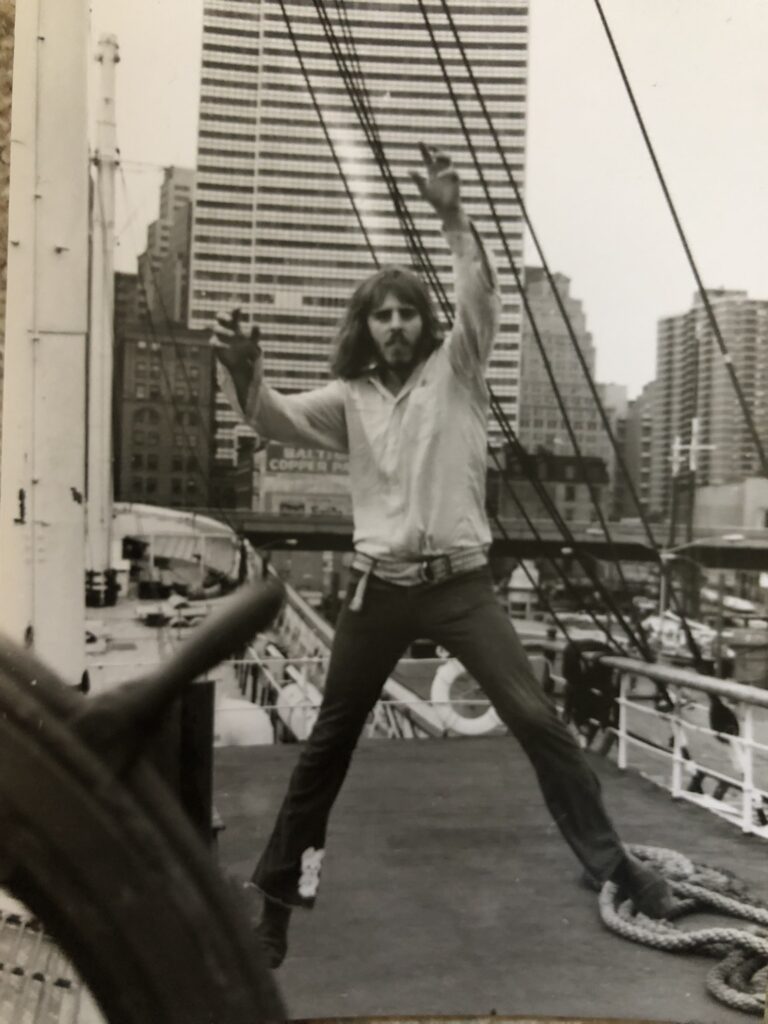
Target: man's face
(395, 328)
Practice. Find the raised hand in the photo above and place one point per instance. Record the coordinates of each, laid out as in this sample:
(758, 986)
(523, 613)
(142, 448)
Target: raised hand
(440, 184)
(236, 351)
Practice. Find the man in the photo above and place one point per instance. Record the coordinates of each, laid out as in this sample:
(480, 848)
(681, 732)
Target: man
(411, 408)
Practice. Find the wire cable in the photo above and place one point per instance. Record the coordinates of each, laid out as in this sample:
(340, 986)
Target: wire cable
(414, 242)
(710, 313)
(521, 287)
(545, 266)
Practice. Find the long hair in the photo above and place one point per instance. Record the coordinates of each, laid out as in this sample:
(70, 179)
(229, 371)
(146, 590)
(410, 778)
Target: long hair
(354, 351)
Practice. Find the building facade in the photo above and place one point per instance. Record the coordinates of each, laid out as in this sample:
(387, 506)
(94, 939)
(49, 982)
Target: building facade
(637, 438)
(163, 414)
(541, 423)
(274, 230)
(694, 392)
(567, 480)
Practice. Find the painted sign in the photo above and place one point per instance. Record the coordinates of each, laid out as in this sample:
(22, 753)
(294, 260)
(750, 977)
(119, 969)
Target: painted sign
(286, 458)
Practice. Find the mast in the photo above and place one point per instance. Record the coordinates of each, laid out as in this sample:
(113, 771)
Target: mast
(99, 579)
(43, 465)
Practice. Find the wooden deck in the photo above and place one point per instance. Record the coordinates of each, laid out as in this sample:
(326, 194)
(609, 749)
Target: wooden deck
(448, 891)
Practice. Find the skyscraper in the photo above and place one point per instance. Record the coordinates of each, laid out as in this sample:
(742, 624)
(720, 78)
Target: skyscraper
(274, 231)
(693, 386)
(175, 197)
(541, 422)
(638, 433)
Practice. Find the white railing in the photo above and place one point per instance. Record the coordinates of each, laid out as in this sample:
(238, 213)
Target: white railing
(672, 744)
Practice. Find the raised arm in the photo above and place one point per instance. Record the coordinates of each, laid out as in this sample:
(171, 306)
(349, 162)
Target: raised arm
(311, 417)
(478, 302)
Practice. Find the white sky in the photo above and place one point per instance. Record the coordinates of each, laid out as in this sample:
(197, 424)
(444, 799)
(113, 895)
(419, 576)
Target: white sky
(700, 75)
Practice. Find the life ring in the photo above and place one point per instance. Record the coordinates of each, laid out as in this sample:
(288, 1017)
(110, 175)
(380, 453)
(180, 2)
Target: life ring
(440, 695)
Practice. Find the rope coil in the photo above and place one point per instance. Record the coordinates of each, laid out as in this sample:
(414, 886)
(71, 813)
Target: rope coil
(739, 978)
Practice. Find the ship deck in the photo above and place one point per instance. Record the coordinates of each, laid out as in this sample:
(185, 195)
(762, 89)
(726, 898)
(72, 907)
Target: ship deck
(447, 890)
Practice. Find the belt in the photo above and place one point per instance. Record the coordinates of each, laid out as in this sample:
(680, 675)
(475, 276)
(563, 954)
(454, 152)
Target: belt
(431, 569)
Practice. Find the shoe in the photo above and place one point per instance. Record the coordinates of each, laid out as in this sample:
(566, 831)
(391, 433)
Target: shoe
(648, 890)
(269, 921)
(272, 932)
(590, 881)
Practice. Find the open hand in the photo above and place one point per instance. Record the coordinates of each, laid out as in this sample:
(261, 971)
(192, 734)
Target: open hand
(236, 351)
(440, 185)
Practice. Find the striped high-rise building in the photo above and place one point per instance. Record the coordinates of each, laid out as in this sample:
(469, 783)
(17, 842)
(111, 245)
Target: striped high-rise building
(274, 229)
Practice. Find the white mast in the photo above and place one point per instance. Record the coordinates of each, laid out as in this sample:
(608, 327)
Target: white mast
(98, 552)
(43, 465)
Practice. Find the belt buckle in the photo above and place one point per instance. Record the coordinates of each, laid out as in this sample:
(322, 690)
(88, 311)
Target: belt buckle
(426, 571)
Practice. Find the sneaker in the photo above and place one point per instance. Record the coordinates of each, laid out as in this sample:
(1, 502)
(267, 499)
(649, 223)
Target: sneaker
(648, 890)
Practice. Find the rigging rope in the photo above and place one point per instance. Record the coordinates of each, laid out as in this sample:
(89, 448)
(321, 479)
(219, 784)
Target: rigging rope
(416, 247)
(529, 312)
(545, 266)
(679, 608)
(727, 358)
(436, 284)
(739, 978)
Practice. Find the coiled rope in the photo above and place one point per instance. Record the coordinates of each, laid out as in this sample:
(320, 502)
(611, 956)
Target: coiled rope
(740, 978)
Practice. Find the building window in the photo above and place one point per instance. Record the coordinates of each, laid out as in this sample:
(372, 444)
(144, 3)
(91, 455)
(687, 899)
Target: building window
(192, 486)
(152, 461)
(151, 485)
(178, 440)
(138, 437)
(141, 391)
(141, 366)
(175, 486)
(137, 460)
(177, 464)
(153, 437)
(191, 463)
(138, 485)
(570, 492)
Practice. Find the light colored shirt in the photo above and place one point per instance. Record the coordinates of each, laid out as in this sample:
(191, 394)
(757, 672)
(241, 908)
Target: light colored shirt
(417, 459)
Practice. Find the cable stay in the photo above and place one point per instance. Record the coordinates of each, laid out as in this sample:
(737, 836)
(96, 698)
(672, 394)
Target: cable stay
(521, 288)
(710, 313)
(545, 266)
(415, 245)
(324, 127)
(690, 640)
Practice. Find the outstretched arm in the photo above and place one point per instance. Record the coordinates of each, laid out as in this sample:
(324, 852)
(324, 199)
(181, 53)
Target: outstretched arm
(312, 417)
(478, 302)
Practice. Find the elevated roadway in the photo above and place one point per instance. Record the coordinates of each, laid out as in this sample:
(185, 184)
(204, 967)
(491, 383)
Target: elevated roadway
(630, 543)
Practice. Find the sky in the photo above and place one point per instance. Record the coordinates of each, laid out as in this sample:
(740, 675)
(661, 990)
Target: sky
(700, 77)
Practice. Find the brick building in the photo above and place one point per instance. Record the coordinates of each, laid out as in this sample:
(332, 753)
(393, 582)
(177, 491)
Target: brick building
(163, 415)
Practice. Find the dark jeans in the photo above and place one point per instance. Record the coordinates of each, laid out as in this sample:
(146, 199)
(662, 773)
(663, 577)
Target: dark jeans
(463, 615)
